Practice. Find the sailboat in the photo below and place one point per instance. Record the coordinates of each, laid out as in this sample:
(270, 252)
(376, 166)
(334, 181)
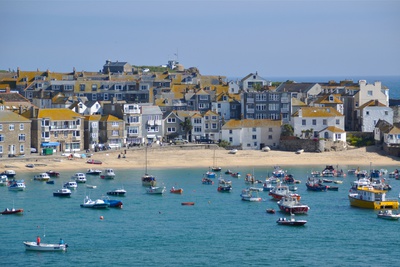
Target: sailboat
(147, 179)
(215, 168)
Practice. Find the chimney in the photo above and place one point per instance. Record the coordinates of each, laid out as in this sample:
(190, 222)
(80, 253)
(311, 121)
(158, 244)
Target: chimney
(376, 102)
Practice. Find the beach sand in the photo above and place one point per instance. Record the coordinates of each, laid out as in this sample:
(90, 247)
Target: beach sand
(201, 156)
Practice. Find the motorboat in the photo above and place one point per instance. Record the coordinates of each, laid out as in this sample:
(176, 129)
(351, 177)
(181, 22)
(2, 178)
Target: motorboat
(176, 190)
(41, 177)
(117, 192)
(235, 174)
(148, 180)
(79, 177)
(94, 204)
(248, 195)
(63, 192)
(187, 203)
(92, 161)
(270, 211)
(8, 211)
(3, 180)
(108, 174)
(280, 191)
(91, 186)
(388, 215)
(71, 185)
(93, 172)
(156, 189)
(206, 180)
(9, 173)
(224, 188)
(370, 198)
(233, 151)
(315, 184)
(113, 203)
(16, 185)
(29, 245)
(291, 222)
(290, 204)
(53, 173)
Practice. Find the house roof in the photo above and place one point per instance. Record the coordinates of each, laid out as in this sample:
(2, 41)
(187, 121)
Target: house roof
(297, 102)
(333, 129)
(325, 99)
(395, 129)
(295, 87)
(55, 114)
(317, 112)
(9, 116)
(247, 123)
(109, 118)
(372, 103)
(93, 117)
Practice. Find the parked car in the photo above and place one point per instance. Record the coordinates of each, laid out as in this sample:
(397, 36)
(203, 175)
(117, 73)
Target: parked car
(204, 140)
(179, 141)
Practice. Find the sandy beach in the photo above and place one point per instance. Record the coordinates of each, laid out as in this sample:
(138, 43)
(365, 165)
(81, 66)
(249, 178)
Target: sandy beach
(201, 156)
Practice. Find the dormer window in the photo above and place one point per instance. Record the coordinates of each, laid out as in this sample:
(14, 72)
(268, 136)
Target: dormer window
(331, 98)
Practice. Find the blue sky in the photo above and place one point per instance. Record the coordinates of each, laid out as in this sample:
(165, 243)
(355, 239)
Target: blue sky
(220, 37)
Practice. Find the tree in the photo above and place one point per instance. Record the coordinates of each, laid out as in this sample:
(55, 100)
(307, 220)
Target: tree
(287, 130)
(186, 126)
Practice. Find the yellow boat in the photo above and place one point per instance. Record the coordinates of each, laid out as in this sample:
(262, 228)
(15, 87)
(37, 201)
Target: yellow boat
(370, 198)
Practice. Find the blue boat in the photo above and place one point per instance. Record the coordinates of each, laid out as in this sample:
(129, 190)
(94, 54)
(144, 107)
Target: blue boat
(315, 184)
(113, 203)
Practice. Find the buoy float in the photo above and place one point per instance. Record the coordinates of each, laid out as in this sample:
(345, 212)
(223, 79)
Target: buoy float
(101, 217)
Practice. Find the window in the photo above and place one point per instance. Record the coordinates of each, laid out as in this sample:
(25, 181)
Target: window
(21, 149)
(115, 124)
(1, 138)
(45, 134)
(230, 140)
(213, 126)
(255, 144)
(338, 136)
(11, 127)
(370, 92)
(133, 130)
(76, 133)
(324, 122)
(118, 87)
(171, 129)
(21, 127)
(197, 120)
(254, 137)
(230, 131)
(133, 119)
(197, 129)
(1, 149)
(94, 87)
(206, 126)
(303, 122)
(203, 97)
(94, 97)
(314, 122)
(254, 129)
(1, 127)
(269, 137)
(105, 96)
(337, 121)
(21, 137)
(214, 118)
(68, 87)
(82, 87)
(367, 113)
(273, 97)
(171, 120)
(114, 133)
(270, 130)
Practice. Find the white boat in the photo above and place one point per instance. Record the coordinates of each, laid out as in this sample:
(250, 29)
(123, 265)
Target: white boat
(156, 189)
(9, 173)
(3, 180)
(94, 204)
(249, 195)
(79, 177)
(300, 151)
(108, 174)
(93, 172)
(266, 149)
(63, 192)
(148, 179)
(45, 247)
(71, 185)
(41, 177)
(16, 185)
(388, 215)
(233, 151)
(117, 192)
(91, 186)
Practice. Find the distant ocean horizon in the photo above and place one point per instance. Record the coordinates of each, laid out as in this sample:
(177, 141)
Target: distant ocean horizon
(391, 82)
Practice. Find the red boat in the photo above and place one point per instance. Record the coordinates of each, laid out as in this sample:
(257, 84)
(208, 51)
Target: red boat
(187, 203)
(12, 211)
(176, 190)
(92, 161)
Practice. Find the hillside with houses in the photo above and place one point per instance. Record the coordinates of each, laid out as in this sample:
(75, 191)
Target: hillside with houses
(122, 105)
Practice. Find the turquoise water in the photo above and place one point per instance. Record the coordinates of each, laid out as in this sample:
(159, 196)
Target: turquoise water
(219, 230)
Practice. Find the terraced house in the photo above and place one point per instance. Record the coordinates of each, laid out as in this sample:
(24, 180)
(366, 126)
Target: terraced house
(59, 129)
(15, 134)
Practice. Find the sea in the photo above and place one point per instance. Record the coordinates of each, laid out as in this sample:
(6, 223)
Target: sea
(218, 230)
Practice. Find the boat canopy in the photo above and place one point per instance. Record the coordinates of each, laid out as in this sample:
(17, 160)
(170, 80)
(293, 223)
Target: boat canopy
(50, 144)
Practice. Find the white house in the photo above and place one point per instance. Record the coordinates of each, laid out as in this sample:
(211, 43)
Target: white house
(308, 122)
(333, 133)
(370, 92)
(252, 134)
(252, 81)
(371, 112)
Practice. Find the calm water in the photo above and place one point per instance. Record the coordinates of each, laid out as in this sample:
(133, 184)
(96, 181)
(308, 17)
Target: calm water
(219, 230)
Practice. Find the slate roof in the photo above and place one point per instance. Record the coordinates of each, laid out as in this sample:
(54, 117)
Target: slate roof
(247, 123)
(295, 87)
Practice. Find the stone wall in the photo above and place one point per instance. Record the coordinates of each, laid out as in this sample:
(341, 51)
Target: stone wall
(312, 145)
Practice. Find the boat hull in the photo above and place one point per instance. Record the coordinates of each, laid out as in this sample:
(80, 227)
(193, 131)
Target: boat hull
(14, 211)
(45, 247)
(377, 205)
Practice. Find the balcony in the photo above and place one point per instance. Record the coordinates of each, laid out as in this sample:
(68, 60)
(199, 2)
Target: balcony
(150, 122)
(250, 100)
(158, 122)
(285, 100)
(250, 110)
(76, 138)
